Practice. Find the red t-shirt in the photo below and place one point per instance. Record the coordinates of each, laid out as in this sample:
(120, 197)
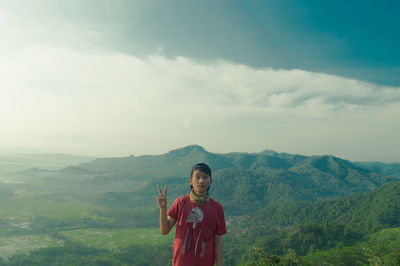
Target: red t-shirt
(195, 230)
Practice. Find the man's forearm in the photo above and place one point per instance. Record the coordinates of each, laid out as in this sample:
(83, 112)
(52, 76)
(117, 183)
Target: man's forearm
(218, 250)
(164, 224)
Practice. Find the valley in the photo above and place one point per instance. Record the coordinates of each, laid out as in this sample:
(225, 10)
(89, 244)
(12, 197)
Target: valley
(278, 206)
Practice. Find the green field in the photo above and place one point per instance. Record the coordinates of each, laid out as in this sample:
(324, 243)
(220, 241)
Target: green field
(113, 239)
(24, 244)
(32, 206)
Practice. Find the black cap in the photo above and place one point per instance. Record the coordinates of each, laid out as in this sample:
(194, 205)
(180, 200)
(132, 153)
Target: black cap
(202, 167)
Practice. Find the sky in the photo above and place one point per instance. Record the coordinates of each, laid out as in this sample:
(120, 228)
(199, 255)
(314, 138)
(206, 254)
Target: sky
(114, 78)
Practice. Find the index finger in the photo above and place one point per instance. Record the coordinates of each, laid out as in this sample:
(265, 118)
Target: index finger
(165, 190)
(159, 190)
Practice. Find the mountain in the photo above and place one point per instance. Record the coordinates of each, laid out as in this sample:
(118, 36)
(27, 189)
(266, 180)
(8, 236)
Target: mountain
(392, 169)
(242, 181)
(368, 212)
(176, 162)
(77, 170)
(275, 201)
(19, 161)
(307, 227)
(270, 180)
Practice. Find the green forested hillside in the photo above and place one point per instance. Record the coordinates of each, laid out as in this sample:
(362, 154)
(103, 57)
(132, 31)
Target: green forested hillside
(382, 248)
(367, 212)
(278, 207)
(342, 228)
(392, 169)
(239, 178)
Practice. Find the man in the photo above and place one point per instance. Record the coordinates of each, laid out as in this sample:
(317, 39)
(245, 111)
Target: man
(200, 222)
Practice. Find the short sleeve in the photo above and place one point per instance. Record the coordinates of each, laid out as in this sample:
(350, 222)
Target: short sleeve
(173, 211)
(221, 226)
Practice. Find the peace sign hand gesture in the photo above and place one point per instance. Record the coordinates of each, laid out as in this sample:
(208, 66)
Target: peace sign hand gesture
(162, 198)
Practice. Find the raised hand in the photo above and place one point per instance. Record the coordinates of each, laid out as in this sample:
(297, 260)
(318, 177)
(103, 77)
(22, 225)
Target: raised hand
(162, 198)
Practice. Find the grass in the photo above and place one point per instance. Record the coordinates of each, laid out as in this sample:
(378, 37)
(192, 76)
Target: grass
(24, 244)
(28, 207)
(114, 238)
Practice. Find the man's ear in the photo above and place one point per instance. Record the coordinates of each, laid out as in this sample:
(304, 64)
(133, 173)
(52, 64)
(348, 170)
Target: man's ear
(190, 181)
(211, 181)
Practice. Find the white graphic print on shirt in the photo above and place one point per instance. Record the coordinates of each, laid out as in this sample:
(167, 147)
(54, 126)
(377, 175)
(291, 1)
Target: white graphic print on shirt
(196, 215)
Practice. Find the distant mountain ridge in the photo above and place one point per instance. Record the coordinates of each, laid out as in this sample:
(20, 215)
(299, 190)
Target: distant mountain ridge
(392, 169)
(20, 161)
(189, 155)
(243, 181)
(175, 162)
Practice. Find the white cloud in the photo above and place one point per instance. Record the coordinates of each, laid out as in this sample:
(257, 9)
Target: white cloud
(60, 91)
(62, 97)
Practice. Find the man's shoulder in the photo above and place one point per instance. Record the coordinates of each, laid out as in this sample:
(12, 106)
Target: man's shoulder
(216, 203)
(183, 198)
(178, 204)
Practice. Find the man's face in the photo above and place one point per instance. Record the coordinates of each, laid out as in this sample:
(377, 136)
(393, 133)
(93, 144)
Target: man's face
(200, 181)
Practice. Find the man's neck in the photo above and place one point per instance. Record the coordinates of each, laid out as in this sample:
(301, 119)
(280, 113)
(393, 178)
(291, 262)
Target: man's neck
(201, 194)
(199, 199)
